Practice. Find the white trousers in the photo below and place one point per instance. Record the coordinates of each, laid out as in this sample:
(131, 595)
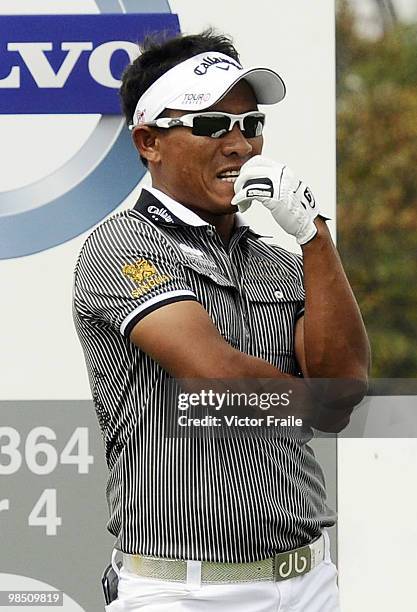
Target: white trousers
(315, 591)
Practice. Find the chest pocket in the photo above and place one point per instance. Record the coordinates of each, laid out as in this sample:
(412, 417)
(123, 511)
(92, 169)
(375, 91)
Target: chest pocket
(273, 305)
(217, 294)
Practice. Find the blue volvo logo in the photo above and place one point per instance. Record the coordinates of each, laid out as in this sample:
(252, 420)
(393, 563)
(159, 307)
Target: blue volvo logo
(71, 64)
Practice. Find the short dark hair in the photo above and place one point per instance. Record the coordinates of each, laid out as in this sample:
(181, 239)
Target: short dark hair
(159, 54)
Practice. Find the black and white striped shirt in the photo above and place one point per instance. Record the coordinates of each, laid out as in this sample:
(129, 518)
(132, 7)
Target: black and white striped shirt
(227, 500)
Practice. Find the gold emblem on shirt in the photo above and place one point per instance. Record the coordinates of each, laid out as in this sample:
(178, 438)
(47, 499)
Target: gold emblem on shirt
(144, 274)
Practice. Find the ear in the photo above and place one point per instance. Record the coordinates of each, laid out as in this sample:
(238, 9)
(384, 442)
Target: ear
(146, 141)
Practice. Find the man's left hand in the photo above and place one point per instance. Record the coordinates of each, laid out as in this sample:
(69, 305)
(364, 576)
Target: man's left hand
(290, 201)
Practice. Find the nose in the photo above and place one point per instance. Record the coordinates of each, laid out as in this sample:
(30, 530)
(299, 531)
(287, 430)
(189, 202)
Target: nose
(235, 143)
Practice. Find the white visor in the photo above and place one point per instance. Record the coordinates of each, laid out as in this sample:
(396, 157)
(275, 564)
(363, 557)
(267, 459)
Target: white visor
(201, 81)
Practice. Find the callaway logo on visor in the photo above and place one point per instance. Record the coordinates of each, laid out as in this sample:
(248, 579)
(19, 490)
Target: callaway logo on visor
(218, 62)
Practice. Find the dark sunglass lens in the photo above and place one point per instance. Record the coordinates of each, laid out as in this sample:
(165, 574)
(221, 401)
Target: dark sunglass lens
(210, 125)
(253, 125)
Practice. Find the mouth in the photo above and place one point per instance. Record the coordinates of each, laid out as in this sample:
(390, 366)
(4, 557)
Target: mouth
(228, 176)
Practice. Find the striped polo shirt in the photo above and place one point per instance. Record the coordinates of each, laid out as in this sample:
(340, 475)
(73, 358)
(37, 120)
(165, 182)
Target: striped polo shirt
(236, 499)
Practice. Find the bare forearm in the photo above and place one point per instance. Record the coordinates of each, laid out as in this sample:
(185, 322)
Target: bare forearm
(335, 340)
(224, 361)
(244, 374)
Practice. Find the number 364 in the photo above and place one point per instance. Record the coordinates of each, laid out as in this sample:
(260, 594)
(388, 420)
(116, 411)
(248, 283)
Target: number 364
(40, 455)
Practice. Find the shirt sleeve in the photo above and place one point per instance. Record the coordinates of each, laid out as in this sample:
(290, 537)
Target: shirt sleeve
(125, 271)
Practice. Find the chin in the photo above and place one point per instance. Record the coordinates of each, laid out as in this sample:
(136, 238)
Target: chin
(224, 206)
(217, 203)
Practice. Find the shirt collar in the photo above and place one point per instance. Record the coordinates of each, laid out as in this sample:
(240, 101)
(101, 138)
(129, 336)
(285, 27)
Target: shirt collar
(160, 208)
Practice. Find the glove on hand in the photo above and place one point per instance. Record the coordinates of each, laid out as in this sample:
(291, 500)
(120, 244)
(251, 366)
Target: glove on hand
(290, 201)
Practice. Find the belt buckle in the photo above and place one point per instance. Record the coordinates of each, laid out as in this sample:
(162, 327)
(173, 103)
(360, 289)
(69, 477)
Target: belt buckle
(292, 563)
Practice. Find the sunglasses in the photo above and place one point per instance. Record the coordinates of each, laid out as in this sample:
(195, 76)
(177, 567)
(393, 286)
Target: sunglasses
(215, 125)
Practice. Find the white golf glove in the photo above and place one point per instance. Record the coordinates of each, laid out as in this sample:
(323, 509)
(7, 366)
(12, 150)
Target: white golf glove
(290, 201)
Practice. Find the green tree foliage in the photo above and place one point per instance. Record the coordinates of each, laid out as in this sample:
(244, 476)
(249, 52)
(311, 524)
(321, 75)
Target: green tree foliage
(377, 186)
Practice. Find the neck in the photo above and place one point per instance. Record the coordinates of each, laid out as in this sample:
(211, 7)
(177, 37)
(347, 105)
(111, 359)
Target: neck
(224, 224)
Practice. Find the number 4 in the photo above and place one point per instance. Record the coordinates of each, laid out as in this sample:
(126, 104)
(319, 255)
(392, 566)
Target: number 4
(49, 520)
(78, 441)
